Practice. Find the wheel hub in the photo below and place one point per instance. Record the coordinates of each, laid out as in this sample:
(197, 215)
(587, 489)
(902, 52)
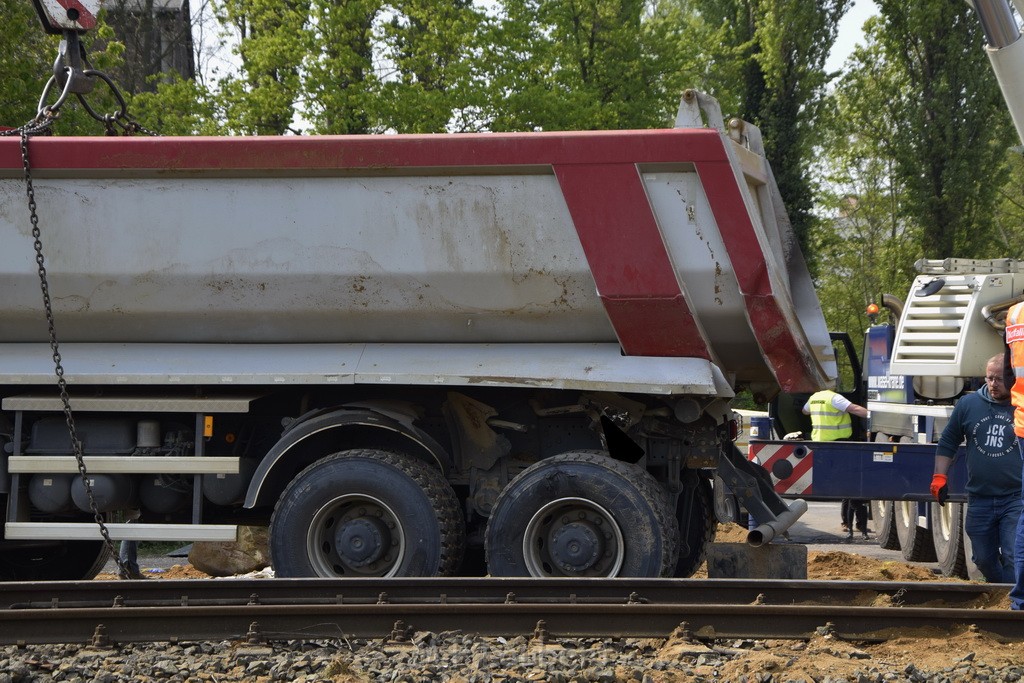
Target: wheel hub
(362, 541)
(576, 546)
(573, 536)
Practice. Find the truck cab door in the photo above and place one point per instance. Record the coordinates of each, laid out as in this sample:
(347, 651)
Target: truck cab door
(786, 410)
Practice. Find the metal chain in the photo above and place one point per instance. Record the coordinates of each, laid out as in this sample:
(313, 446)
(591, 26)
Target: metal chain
(40, 125)
(69, 418)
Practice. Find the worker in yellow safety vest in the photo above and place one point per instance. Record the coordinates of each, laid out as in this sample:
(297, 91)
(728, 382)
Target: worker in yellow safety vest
(830, 421)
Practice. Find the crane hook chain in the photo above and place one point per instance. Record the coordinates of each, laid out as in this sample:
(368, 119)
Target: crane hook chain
(74, 75)
(69, 74)
(26, 131)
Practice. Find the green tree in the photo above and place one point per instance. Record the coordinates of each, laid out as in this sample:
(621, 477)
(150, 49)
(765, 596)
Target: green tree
(179, 107)
(340, 80)
(434, 83)
(952, 126)
(576, 64)
(273, 42)
(865, 243)
(25, 52)
(696, 50)
(1009, 214)
(783, 45)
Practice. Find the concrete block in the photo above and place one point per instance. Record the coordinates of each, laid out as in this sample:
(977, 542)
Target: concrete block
(741, 561)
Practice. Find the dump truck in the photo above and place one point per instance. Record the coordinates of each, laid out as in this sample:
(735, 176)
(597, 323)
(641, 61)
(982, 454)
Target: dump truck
(396, 351)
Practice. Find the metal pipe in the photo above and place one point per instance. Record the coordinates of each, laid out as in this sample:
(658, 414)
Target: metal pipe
(995, 314)
(766, 532)
(894, 305)
(997, 22)
(1005, 51)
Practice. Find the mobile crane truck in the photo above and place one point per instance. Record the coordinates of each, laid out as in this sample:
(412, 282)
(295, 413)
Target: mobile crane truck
(393, 348)
(949, 325)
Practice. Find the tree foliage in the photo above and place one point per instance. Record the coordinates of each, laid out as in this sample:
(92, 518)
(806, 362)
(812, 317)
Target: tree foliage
(273, 43)
(433, 83)
(578, 64)
(952, 126)
(865, 245)
(340, 78)
(781, 47)
(23, 62)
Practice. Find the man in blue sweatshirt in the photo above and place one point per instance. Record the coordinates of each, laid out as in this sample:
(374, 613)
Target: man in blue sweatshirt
(985, 420)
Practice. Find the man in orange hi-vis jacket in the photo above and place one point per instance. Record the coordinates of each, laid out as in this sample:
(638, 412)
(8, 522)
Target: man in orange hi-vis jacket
(1014, 378)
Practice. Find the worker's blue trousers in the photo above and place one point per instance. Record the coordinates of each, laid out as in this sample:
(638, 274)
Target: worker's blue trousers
(1017, 593)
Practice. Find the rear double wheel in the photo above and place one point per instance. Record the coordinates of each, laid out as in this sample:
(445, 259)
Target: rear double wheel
(948, 538)
(915, 541)
(885, 523)
(52, 561)
(695, 512)
(582, 514)
(367, 513)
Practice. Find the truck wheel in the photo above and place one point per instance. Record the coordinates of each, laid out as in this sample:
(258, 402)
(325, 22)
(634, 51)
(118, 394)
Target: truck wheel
(915, 541)
(366, 513)
(582, 514)
(884, 512)
(697, 525)
(61, 561)
(947, 535)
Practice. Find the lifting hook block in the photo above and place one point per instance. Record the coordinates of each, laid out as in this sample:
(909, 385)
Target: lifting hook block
(61, 16)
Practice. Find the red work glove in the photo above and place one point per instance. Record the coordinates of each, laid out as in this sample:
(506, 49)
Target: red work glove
(940, 490)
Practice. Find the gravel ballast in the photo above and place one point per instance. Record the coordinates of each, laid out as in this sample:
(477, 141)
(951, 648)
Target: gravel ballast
(455, 656)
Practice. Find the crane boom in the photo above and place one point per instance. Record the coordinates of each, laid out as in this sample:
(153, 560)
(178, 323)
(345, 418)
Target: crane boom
(1005, 50)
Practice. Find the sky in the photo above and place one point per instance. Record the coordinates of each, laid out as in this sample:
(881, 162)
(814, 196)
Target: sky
(850, 33)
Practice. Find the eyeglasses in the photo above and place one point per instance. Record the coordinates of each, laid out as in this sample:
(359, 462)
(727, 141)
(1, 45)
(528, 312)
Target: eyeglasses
(994, 380)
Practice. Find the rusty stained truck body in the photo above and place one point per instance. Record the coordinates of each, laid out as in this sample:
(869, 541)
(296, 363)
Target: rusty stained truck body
(394, 348)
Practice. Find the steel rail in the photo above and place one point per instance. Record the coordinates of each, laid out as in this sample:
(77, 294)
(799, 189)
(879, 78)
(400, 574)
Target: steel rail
(261, 623)
(454, 590)
(261, 610)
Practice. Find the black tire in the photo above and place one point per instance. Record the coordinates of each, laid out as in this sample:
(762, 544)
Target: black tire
(366, 513)
(885, 524)
(695, 512)
(947, 523)
(59, 561)
(915, 541)
(582, 514)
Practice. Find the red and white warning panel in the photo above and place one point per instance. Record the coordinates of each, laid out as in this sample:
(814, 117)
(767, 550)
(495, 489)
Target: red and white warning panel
(790, 465)
(834, 470)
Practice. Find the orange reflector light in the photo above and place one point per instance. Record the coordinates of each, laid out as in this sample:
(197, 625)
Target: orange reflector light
(208, 425)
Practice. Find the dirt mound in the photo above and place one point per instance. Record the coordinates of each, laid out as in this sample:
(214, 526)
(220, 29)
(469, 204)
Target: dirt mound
(840, 566)
(177, 571)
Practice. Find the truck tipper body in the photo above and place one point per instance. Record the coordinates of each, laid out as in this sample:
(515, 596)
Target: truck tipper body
(391, 348)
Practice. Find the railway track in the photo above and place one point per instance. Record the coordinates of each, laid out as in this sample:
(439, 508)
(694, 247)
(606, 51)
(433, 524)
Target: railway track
(260, 611)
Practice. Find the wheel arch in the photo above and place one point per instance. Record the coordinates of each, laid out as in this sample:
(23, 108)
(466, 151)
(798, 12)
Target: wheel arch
(323, 433)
